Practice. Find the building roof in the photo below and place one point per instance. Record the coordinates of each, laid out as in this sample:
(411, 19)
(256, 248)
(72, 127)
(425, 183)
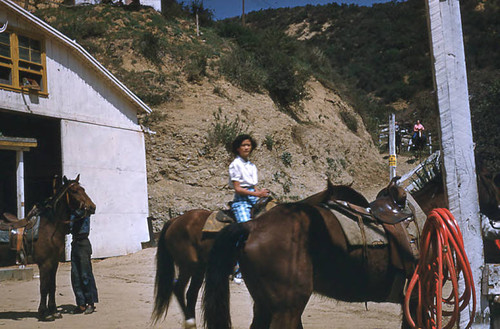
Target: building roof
(79, 51)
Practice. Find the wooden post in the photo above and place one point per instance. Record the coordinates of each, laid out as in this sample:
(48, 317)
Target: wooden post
(197, 25)
(20, 183)
(392, 146)
(450, 80)
(243, 13)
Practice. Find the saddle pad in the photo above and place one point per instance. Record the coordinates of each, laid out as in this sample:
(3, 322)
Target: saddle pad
(213, 224)
(375, 234)
(31, 234)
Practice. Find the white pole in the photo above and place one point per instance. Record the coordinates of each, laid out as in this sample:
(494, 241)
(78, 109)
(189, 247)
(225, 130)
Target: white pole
(20, 183)
(450, 79)
(392, 146)
(197, 25)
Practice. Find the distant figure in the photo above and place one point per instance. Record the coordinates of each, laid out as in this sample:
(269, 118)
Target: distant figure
(82, 278)
(416, 128)
(397, 132)
(419, 139)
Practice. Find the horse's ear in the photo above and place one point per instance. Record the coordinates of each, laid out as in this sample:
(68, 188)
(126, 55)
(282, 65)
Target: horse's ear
(394, 181)
(56, 183)
(77, 179)
(496, 180)
(65, 179)
(329, 185)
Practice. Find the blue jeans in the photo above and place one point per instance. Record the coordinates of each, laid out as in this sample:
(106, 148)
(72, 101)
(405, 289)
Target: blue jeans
(242, 205)
(82, 278)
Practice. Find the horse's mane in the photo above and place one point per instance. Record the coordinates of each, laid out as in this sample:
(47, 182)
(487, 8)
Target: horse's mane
(337, 192)
(428, 176)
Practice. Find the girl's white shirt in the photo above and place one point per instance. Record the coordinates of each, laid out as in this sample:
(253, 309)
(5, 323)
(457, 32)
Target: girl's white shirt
(242, 171)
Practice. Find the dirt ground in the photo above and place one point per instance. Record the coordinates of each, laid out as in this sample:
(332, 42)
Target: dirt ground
(126, 285)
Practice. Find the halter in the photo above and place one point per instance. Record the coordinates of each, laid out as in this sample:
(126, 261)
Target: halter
(63, 193)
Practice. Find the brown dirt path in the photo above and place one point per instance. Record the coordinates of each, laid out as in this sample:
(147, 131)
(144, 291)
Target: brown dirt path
(126, 298)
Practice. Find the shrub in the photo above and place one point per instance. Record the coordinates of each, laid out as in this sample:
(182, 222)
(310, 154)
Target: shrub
(224, 131)
(349, 120)
(286, 158)
(241, 69)
(196, 68)
(150, 47)
(269, 142)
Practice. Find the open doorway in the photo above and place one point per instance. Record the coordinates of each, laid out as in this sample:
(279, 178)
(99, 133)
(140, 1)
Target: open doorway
(40, 163)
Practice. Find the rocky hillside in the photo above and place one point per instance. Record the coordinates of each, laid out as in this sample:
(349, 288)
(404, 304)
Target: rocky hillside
(195, 109)
(186, 171)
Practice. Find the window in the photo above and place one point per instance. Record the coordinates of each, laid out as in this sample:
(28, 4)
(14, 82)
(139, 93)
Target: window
(22, 63)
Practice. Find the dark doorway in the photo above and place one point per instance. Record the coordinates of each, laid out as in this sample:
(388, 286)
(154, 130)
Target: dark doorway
(41, 164)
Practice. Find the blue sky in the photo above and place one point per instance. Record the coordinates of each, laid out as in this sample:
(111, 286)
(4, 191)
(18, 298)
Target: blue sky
(230, 8)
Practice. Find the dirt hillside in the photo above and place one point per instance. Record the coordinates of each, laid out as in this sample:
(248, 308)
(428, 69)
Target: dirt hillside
(185, 171)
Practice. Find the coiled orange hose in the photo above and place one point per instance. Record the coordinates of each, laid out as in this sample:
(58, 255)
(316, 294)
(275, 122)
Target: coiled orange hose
(442, 259)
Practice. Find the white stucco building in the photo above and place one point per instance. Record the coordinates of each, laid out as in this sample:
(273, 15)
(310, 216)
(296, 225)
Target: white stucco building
(84, 121)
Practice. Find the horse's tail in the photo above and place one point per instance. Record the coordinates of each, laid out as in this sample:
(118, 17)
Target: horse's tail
(223, 257)
(165, 275)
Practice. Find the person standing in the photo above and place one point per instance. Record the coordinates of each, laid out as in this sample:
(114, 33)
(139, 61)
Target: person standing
(82, 278)
(243, 178)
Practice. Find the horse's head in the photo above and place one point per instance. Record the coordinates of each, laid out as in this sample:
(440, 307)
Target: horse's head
(73, 194)
(489, 194)
(337, 192)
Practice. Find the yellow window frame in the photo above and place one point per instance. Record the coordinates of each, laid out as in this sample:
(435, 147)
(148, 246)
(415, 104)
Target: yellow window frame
(16, 66)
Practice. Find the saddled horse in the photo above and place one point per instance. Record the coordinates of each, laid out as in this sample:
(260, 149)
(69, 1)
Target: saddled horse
(419, 141)
(294, 250)
(183, 244)
(54, 217)
(431, 195)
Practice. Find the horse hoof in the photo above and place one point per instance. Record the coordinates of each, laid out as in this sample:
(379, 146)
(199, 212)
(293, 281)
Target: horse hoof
(57, 315)
(48, 318)
(190, 324)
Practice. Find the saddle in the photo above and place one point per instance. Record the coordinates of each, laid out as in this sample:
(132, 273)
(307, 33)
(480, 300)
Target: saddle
(16, 232)
(217, 220)
(388, 210)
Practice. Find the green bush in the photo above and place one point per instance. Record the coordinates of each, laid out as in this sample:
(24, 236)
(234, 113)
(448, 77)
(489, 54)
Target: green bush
(269, 142)
(196, 68)
(349, 120)
(224, 130)
(150, 47)
(241, 69)
(286, 158)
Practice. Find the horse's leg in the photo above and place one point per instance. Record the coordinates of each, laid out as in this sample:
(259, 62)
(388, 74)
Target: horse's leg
(287, 319)
(43, 314)
(261, 317)
(192, 297)
(52, 291)
(180, 288)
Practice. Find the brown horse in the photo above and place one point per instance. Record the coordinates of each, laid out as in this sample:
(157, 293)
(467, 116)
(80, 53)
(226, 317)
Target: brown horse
(53, 215)
(183, 243)
(431, 195)
(292, 251)
(49, 248)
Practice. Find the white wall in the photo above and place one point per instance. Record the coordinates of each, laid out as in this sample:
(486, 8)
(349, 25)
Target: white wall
(112, 167)
(101, 140)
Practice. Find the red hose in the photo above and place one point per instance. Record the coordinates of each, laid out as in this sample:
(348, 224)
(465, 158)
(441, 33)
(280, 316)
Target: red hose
(442, 259)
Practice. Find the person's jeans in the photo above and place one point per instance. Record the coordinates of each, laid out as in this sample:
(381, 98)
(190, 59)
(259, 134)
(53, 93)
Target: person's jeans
(242, 205)
(82, 278)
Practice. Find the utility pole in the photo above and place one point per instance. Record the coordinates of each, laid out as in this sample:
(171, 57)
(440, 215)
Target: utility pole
(392, 146)
(243, 14)
(450, 83)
